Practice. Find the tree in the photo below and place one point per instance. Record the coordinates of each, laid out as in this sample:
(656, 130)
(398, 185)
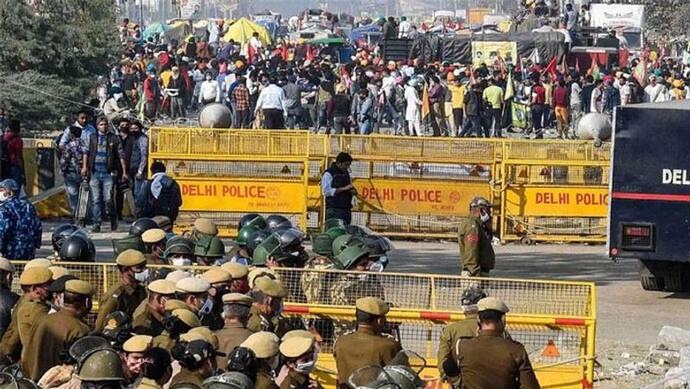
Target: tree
(53, 50)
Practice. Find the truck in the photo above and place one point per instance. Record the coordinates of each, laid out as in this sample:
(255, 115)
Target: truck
(649, 192)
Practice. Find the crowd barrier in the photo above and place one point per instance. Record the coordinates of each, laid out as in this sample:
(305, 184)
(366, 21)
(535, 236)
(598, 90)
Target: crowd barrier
(407, 186)
(554, 320)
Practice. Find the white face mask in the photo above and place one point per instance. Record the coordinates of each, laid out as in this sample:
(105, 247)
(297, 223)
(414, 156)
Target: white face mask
(4, 197)
(306, 367)
(181, 262)
(207, 307)
(485, 216)
(142, 276)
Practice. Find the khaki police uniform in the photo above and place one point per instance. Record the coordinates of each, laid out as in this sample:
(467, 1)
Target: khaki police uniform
(476, 253)
(451, 339)
(188, 378)
(296, 344)
(144, 316)
(364, 347)
(55, 334)
(10, 345)
(492, 361)
(232, 334)
(265, 346)
(276, 324)
(147, 383)
(122, 297)
(165, 340)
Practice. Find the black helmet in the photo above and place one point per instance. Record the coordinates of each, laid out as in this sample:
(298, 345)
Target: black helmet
(141, 225)
(290, 238)
(276, 221)
(255, 239)
(63, 232)
(252, 219)
(77, 248)
(378, 245)
(179, 245)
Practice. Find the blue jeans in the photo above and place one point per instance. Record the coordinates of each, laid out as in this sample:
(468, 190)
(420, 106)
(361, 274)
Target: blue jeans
(365, 127)
(72, 182)
(101, 195)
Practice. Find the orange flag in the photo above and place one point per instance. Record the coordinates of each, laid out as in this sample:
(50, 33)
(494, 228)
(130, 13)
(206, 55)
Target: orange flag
(425, 102)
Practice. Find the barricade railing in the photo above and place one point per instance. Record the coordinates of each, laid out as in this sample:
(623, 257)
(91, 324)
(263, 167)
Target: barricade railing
(554, 320)
(408, 186)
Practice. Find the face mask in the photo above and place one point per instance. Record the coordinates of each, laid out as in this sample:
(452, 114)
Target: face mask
(3, 197)
(306, 367)
(376, 267)
(142, 276)
(485, 217)
(207, 307)
(181, 261)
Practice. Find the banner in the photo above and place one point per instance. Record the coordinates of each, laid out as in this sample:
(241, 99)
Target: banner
(557, 201)
(489, 52)
(617, 15)
(242, 196)
(520, 114)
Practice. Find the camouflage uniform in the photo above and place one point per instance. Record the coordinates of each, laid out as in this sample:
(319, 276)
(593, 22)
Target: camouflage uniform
(346, 289)
(20, 229)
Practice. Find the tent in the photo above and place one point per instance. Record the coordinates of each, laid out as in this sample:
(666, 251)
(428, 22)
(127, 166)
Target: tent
(362, 32)
(155, 29)
(241, 31)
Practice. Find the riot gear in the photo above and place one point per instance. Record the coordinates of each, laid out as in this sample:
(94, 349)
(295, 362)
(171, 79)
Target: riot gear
(252, 219)
(77, 248)
(141, 225)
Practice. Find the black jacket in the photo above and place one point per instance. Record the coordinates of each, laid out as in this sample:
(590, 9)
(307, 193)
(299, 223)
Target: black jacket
(168, 202)
(113, 150)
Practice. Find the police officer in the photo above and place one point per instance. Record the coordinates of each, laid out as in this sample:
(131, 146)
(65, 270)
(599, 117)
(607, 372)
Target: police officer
(155, 369)
(236, 308)
(101, 368)
(27, 313)
(490, 360)
(133, 355)
(128, 293)
(299, 356)
(268, 298)
(179, 251)
(177, 322)
(194, 292)
(151, 316)
(454, 334)
(7, 298)
(203, 228)
(220, 285)
(77, 248)
(54, 333)
(367, 346)
(474, 236)
(209, 251)
(154, 246)
(238, 273)
(337, 189)
(265, 347)
(20, 227)
(197, 360)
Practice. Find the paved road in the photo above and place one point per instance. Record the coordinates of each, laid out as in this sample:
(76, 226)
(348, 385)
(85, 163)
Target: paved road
(626, 313)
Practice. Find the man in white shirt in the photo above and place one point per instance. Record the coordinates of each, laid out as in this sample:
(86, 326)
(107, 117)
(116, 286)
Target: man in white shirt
(337, 189)
(272, 103)
(597, 102)
(404, 27)
(626, 91)
(654, 92)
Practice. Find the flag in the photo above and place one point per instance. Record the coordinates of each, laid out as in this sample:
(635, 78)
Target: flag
(284, 52)
(623, 58)
(425, 102)
(551, 68)
(510, 90)
(534, 56)
(594, 68)
(310, 53)
(640, 72)
(251, 53)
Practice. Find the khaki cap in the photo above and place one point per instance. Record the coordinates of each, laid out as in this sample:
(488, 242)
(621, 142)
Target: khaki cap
(258, 273)
(264, 344)
(137, 344)
(372, 305)
(191, 336)
(298, 333)
(296, 346)
(177, 275)
(216, 275)
(153, 235)
(235, 269)
(192, 285)
(271, 287)
(6, 265)
(35, 276)
(79, 287)
(188, 317)
(238, 298)
(130, 257)
(207, 335)
(205, 226)
(38, 262)
(492, 304)
(162, 287)
(173, 304)
(58, 271)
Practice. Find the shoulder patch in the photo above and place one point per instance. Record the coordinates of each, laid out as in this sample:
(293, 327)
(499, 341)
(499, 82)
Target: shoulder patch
(472, 237)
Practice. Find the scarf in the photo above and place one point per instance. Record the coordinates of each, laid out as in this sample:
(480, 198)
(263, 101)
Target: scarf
(156, 185)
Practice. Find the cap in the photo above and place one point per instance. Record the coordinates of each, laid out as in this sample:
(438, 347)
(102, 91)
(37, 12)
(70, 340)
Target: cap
(35, 276)
(238, 298)
(137, 344)
(188, 317)
(201, 350)
(79, 287)
(216, 275)
(295, 346)
(6, 265)
(207, 335)
(177, 275)
(258, 273)
(38, 262)
(492, 304)
(271, 287)
(162, 287)
(298, 333)
(205, 226)
(153, 235)
(162, 221)
(130, 257)
(10, 184)
(480, 202)
(372, 306)
(192, 285)
(173, 304)
(58, 271)
(263, 344)
(235, 269)
(58, 285)
(190, 337)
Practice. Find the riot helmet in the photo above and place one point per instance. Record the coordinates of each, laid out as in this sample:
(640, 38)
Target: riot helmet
(140, 225)
(77, 248)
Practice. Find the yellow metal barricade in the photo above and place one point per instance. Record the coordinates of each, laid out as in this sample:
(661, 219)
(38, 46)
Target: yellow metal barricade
(224, 174)
(555, 190)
